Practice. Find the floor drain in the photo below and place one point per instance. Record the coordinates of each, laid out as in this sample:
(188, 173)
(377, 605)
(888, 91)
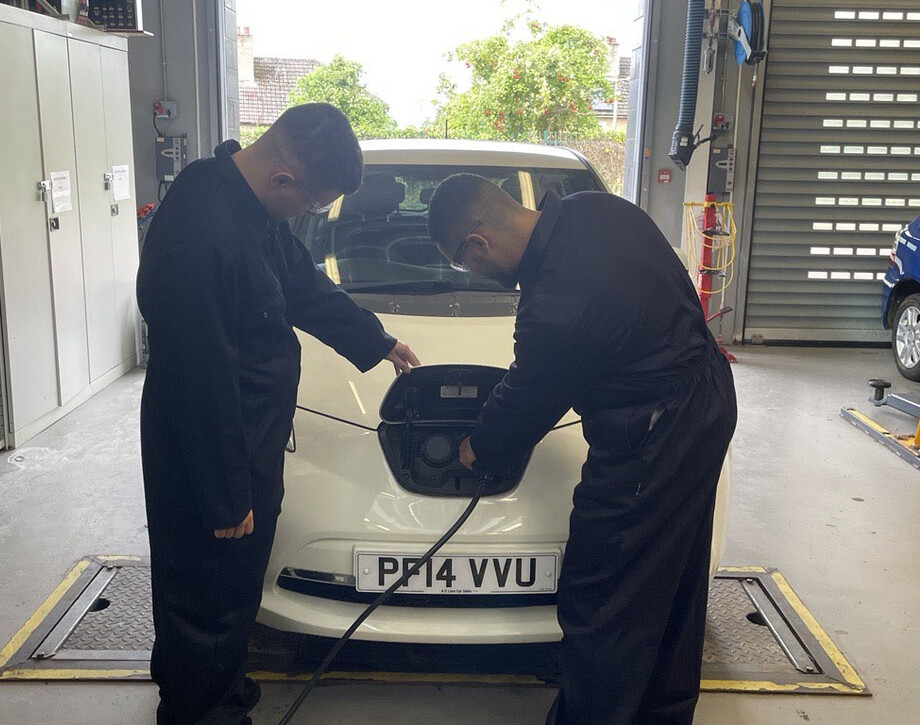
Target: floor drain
(100, 604)
(757, 618)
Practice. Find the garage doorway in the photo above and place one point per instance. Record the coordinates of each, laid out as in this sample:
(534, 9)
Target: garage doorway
(274, 57)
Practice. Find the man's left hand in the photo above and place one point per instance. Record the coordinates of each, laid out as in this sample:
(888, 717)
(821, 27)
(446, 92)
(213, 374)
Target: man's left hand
(237, 532)
(403, 358)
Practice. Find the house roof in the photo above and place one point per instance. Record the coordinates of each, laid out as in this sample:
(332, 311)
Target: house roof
(261, 103)
(622, 98)
(621, 85)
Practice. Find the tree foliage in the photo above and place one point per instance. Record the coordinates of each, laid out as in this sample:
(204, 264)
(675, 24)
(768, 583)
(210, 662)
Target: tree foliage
(340, 83)
(248, 134)
(528, 90)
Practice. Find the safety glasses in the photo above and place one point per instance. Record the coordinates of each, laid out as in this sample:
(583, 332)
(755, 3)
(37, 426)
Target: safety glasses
(315, 208)
(457, 262)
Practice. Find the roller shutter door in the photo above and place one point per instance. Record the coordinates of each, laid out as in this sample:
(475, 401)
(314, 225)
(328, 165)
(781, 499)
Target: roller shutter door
(839, 167)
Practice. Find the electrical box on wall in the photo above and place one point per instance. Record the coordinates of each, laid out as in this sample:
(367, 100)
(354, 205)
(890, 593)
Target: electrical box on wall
(117, 16)
(165, 109)
(172, 153)
(721, 170)
(723, 121)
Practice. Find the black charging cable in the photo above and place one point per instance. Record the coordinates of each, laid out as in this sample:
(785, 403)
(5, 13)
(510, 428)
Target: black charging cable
(337, 647)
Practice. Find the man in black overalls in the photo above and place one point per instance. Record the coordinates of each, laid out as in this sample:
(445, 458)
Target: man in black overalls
(221, 283)
(610, 325)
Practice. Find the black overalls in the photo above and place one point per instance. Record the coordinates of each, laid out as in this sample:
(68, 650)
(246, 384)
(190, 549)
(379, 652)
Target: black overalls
(220, 286)
(610, 324)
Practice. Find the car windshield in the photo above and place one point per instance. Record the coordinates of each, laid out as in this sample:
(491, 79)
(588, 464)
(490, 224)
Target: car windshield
(376, 241)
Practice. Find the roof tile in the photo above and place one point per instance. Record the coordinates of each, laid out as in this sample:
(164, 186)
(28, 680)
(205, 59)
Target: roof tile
(261, 103)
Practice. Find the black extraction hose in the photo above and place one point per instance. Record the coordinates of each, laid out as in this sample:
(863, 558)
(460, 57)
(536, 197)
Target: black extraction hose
(682, 145)
(337, 647)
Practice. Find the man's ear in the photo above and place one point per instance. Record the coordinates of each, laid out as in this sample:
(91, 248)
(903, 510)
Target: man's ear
(478, 242)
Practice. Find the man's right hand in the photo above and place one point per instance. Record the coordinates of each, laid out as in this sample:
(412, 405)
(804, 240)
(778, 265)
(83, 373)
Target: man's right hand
(403, 358)
(237, 532)
(467, 455)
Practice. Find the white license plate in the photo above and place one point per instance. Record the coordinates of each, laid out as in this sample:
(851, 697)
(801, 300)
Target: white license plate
(459, 573)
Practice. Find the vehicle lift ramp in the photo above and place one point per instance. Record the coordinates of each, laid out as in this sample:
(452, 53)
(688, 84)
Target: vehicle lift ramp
(905, 446)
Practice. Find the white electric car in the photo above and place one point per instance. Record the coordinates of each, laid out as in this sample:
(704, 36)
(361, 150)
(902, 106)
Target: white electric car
(374, 478)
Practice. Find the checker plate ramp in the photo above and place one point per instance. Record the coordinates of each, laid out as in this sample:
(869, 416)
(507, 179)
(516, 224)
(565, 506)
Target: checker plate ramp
(97, 625)
(126, 624)
(731, 638)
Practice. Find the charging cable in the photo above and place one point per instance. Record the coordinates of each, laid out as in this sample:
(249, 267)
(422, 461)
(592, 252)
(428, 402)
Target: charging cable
(333, 653)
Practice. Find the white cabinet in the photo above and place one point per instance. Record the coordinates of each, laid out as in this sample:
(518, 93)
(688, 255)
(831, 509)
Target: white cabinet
(95, 215)
(65, 243)
(28, 320)
(67, 310)
(120, 150)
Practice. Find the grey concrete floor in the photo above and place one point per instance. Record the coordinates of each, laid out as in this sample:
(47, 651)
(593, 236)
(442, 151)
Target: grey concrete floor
(834, 511)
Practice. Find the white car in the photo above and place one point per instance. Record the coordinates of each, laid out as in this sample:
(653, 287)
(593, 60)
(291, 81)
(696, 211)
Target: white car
(375, 477)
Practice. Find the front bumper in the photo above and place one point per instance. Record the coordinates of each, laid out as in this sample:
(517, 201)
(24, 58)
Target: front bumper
(327, 618)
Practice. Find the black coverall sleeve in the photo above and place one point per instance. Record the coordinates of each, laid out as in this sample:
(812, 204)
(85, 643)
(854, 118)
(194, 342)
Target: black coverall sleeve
(549, 371)
(191, 313)
(321, 308)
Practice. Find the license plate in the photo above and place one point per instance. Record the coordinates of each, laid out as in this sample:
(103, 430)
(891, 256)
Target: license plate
(459, 573)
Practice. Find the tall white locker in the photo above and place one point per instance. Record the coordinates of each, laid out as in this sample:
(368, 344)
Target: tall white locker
(120, 151)
(31, 365)
(64, 241)
(95, 210)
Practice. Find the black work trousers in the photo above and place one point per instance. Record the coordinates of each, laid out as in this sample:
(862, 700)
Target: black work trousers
(206, 592)
(635, 577)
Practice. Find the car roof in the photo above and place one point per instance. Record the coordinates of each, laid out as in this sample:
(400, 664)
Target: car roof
(468, 153)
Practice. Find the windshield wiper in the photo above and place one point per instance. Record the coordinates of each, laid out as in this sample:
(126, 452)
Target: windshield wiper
(410, 286)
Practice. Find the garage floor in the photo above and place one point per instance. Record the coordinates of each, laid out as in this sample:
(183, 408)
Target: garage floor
(836, 512)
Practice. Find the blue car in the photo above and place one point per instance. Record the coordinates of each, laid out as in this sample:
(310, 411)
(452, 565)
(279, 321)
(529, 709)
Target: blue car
(901, 300)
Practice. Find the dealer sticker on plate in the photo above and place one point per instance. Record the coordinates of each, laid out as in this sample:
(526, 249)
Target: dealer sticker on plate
(459, 573)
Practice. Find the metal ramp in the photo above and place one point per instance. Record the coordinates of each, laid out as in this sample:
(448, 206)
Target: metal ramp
(97, 625)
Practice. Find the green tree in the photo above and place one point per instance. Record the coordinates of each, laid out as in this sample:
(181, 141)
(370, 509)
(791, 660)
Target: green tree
(248, 134)
(340, 83)
(542, 86)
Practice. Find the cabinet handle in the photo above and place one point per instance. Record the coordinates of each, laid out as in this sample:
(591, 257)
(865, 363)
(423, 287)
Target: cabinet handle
(44, 188)
(107, 180)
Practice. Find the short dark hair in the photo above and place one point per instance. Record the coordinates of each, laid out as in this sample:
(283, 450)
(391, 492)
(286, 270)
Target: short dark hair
(320, 138)
(457, 204)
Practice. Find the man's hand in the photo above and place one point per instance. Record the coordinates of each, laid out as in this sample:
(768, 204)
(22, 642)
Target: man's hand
(237, 532)
(467, 456)
(403, 358)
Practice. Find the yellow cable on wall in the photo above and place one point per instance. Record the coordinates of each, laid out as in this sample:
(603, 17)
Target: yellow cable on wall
(719, 240)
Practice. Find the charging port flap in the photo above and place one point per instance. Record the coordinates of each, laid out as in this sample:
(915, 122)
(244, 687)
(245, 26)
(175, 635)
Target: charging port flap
(427, 413)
